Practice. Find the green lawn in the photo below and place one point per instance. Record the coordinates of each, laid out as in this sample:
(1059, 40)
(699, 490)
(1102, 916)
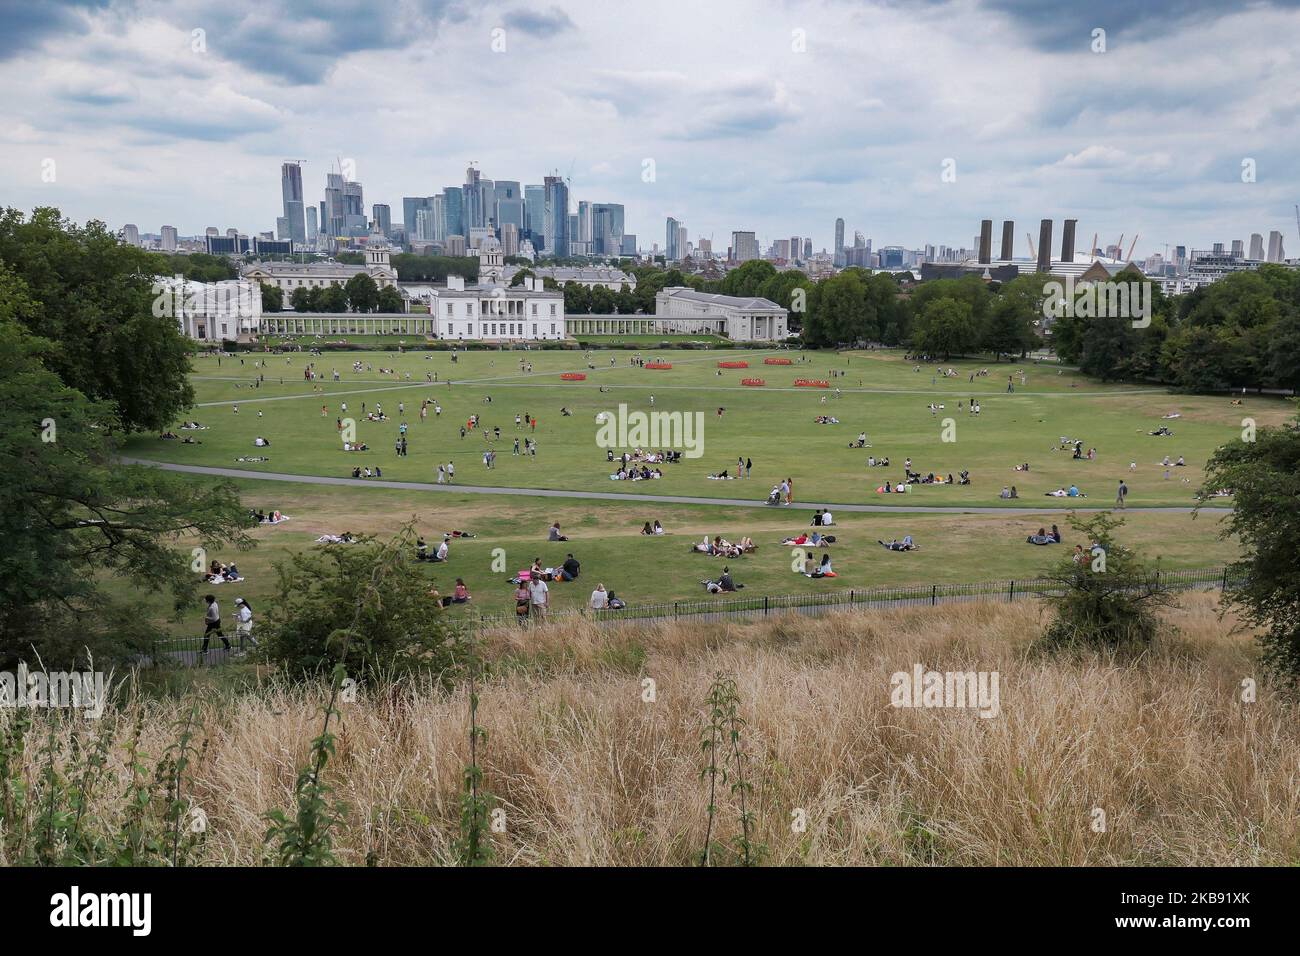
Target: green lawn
(774, 425)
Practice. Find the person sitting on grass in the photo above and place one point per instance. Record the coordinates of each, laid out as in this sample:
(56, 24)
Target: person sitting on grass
(646, 529)
(599, 598)
(824, 569)
(461, 593)
(1042, 537)
(570, 569)
(421, 550)
(554, 534)
(658, 528)
(443, 550)
(724, 583)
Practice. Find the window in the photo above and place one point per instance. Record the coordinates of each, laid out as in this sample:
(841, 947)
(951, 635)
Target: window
(534, 308)
(449, 308)
(552, 329)
(552, 308)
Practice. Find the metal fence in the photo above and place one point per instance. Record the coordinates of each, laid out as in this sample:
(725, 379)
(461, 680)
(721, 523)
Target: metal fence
(187, 651)
(738, 604)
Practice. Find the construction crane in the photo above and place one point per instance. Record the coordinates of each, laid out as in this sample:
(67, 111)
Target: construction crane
(1093, 251)
(1297, 218)
(1129, 257)
(1119, 246)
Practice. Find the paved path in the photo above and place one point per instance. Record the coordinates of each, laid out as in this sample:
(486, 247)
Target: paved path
(624, 496)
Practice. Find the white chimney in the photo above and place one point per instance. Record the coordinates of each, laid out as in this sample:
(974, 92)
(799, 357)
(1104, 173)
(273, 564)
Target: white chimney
(455, 283)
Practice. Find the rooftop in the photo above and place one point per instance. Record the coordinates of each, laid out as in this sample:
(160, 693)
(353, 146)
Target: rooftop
(726, 301)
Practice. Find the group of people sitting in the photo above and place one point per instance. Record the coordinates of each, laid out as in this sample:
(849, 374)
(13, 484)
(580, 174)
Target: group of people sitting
(1079, 454)
(874, 462)
(916, 478)
(192, 426)
(720, 547)
(355, 446)
(367, 472)
(602, 600)
(827, 420)
(637, 456)
(823, 518)
(219, 573)
(172, 436)
(656, 528)
(261, 442)
(643, 473)
(861, 442)
(1045, 537)
(812, 569)
(568, 571)
(1009, 492)
(269, 517)
(422, 549)
(1162, 432)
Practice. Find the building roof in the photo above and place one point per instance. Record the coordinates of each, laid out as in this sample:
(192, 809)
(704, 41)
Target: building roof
(754, 304)
(575, 274)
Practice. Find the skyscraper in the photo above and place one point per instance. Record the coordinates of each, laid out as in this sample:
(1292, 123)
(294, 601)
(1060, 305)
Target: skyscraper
(411, 206)
(535, 214)
(382, 217)
(1256, 246)
(291, 194)
(671, 252)
(453, 201)
(557, 216)
(167, 241)
(510, 206)
(744, 246)
(585, 224)
(131, 234)
(607, 228)
(1275, 251)
(1238, 249)
(333, 221)
(839, 242)
(313, 231)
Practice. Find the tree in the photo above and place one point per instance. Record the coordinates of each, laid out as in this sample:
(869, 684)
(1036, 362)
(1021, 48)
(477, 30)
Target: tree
(1264, 478)
(625, 300)
(390, 300)
(1014, 315)
(362, 293)
(331, 608)
(1109, 599)
(577, 298)
(300, 299)
(83, 536)
(272, 297)
(746, 280)
(945, 327)
(93, 295)
(601, 300)
(332, 299)
(518, 278)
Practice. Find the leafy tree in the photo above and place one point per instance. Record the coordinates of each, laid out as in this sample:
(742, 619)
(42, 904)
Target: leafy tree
(945, 327)
(1264, 477)
(300, 299)
(413, 268)
(601, 300)
(82, 536)
(577, 298)
(333, 298)
(93, 295)
(272, 297)
(198, 266)
(518, 278)
(390, 300)
(331, 608)
(745, 280)
(362, 293)
(351, 258)
(1014, 316)
(625, 300)
(1109, 599)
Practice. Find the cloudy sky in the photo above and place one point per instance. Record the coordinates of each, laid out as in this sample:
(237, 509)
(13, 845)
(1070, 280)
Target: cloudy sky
(751, 114)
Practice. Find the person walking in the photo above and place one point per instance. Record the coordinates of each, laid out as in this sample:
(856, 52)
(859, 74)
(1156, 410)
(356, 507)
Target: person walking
(1121, 495)
(451, 473)
(244, 623)
(212, 623)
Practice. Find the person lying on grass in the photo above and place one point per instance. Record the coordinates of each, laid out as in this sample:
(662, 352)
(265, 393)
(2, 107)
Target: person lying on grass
(905, 545)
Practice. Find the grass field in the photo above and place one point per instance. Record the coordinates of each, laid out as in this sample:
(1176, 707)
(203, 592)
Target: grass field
(881, 394)
(774, 425)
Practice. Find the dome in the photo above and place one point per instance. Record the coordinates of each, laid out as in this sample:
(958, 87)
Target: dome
(490, 244)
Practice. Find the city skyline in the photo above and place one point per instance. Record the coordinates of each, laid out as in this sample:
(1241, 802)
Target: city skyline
(147, 121)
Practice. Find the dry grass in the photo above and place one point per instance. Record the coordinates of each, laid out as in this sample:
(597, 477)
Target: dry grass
(589, 773)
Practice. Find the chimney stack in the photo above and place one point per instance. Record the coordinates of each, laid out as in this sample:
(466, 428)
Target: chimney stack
(986, 241)
(1067, 240)
(1008, 240)
(1045, 246)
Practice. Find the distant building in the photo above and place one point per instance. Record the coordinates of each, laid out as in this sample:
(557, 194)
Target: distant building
(744, 246)
(131, 234)
(739, 319)
(295, 221)
(382, 217)
(590, 276)
(1275, 250)
(673, 252)
(290, 276)
(168, 240)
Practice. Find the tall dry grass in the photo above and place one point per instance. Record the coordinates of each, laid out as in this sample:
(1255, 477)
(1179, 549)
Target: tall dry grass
(590, 773)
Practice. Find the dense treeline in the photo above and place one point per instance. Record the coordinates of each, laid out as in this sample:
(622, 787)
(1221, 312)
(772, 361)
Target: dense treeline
(1242, 331)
